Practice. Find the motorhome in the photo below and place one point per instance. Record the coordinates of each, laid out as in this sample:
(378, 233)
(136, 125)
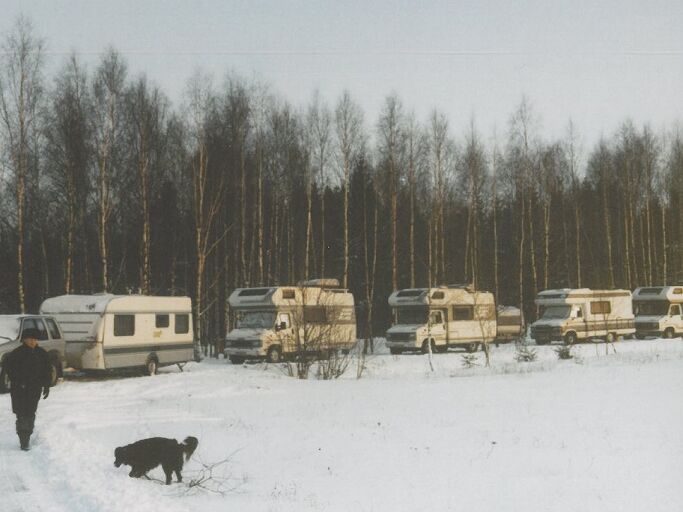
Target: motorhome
(659, 311)
(441, 317)
(275, 322)
(571, 315)
(108, 332)
(50, 338)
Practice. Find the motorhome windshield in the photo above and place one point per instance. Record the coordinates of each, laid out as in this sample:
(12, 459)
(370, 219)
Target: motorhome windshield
(654, 308)
(254, 319)
(556, 312)
(412, 315)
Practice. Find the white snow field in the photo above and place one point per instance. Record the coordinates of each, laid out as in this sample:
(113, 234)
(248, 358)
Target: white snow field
(603, 433)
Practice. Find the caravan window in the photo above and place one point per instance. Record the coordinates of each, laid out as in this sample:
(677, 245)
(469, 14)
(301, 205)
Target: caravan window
(161, 321)
(182, 324)
(601, 307)
(124, 325)
(461, 313)
(675, 310)
(315, 314)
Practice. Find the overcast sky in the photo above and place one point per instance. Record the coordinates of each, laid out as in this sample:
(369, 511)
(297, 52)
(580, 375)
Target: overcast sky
(596, 62)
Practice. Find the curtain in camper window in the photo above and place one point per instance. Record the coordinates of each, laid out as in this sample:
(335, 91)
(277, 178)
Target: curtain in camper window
(124, 325)
(182, 324)
(161, 321)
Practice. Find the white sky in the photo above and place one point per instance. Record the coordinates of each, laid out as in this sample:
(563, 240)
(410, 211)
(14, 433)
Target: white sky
(597, 62)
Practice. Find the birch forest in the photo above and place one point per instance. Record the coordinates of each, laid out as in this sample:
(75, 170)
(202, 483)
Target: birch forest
(108, 186)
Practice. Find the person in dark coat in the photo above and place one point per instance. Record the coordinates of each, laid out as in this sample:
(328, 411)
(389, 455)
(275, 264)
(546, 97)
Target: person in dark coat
(28, 369)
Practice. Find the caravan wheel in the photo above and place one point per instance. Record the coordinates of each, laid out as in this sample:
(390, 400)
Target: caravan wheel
(471, 347)
(669, 333)
(151, 366)
(610, 338)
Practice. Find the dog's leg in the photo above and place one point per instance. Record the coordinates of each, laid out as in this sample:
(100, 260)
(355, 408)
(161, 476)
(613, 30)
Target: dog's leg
(169, 473)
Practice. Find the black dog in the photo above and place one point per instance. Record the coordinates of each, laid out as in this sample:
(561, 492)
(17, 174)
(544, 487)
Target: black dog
(145, 455)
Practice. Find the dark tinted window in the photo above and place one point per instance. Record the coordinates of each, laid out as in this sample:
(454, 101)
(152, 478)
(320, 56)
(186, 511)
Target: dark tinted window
(287, 294)
(437, 295)
(54, 330)
(315, 314)
(463, 313)
(161, 321)
(182, 324)
(36, 323)
(124, 325)
(253, 292)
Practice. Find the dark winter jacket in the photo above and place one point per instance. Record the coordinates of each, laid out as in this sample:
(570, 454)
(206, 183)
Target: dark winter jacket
(28, 370)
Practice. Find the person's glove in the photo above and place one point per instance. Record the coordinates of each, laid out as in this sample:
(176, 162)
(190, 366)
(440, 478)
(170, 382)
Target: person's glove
(46, 392)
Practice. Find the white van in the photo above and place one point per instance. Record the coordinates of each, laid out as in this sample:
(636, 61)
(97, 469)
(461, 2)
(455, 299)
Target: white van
(659, 311)
(49, 337)
(447, 316)
(105, 332)
(273, 322)
(570, 315)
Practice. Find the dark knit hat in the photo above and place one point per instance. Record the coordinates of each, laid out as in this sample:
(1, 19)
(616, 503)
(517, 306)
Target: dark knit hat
(30, 333)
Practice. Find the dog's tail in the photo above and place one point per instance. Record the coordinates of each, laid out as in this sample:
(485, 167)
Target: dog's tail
(189, 446)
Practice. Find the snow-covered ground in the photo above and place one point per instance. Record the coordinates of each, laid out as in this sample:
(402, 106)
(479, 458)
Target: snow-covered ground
(602, 432)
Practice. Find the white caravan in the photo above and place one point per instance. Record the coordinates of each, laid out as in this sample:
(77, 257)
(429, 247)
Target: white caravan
(447, 316)
(658, 311)
(105, 332)
(570, 315)
(273, 322)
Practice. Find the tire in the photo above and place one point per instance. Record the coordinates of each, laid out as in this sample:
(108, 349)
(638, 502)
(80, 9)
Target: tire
(640, 336)
(395, 351)
(4, 382)
(425, 347)
(151, 366)
(570, 338)
(55, 372)
(274, 354)
(236, 359)
(471, 347)
(669, 333)
(442, 349)
(610, 338)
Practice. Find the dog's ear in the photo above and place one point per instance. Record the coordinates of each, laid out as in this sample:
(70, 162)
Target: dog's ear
(118, 454)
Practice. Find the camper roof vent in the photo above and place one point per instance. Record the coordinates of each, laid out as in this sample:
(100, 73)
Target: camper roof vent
(324, 283)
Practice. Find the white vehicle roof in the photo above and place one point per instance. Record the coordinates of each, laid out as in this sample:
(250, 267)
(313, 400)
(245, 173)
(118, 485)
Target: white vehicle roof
(307, 293)
(442, 295)
(108, 303)
(577, 295)
(670, 293)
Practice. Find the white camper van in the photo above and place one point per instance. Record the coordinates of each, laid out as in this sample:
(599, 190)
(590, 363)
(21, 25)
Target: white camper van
(272, 322)
(570, 315)
(105, 332)
(447, 316)
(659, 311)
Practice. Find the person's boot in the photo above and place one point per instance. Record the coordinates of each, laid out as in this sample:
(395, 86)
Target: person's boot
(24, 441)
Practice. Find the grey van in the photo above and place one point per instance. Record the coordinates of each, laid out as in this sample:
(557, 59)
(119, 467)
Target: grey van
(50, 338)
